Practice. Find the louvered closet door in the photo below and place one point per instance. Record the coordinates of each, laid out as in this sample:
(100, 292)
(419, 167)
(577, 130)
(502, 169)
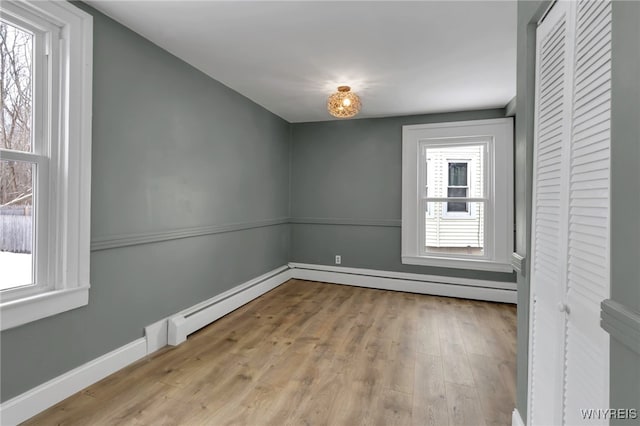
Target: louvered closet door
(549, 234)
(587, 344)
(569, 364)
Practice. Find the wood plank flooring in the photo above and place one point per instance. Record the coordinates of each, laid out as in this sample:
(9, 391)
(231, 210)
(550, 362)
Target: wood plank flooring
(309, 353)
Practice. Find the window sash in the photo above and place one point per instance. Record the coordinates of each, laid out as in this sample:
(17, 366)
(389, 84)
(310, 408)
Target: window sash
(425, 173)
(41, 226)
(44, 72)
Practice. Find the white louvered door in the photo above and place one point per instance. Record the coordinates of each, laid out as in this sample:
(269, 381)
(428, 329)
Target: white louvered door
(568, 364)
(548, 271)
(587, 344)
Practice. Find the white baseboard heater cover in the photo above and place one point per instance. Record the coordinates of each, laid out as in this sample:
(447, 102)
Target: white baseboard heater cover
(202, 314)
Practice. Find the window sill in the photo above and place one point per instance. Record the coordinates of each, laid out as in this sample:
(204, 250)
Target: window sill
(478, 265)
(33, 308)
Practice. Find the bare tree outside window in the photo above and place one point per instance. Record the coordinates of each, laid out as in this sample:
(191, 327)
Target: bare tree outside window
(16, 177)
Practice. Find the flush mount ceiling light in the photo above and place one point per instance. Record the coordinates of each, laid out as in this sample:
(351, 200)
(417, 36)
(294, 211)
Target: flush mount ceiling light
(344, 103)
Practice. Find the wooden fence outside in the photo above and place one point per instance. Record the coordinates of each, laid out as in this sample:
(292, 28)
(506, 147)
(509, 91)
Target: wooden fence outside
(16, 225)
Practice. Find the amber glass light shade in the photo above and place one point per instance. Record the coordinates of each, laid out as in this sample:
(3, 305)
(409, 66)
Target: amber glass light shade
(344, 103)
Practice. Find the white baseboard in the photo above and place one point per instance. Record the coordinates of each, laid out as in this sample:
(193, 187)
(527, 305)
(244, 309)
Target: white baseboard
(32, 402)
(38, 399)
(516, 418)
(494, 291)
(156, 335)
(194, 318)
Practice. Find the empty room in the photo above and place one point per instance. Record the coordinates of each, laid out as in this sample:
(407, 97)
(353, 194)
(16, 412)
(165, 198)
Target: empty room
(320, 212)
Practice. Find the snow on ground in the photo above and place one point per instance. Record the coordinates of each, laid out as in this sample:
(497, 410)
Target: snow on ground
(15, 269)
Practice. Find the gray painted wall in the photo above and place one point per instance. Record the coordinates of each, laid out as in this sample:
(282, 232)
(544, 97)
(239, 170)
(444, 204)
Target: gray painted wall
(172, 149)
(625, 200)
(348, 175)
(529, 12)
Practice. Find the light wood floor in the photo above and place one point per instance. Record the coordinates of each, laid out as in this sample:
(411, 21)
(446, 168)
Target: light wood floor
(318, 354)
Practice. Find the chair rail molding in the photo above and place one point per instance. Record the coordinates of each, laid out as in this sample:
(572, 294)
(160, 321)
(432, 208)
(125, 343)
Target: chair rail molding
(622, 323)
(519, 263)
(125, 240)
(392, 223)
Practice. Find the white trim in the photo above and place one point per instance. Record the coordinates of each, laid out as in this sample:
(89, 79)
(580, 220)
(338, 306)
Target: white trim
(194, 318)
(407, 276)
(38, 399)
(457, 124)
(451, 262)
(467, 288)
(156, 335)
(519, 263)
(498, 190)
(35, 307)
(516, 418)
(63, 224)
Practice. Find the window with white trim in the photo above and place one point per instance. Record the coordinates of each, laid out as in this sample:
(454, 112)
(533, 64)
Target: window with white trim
(45, 159)
(457, 199)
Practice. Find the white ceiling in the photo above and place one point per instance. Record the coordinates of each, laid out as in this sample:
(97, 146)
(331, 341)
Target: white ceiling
(400, 57)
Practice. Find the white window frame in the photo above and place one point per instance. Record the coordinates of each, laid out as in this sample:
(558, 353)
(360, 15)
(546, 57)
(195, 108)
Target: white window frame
(63, 58)
(498, 192)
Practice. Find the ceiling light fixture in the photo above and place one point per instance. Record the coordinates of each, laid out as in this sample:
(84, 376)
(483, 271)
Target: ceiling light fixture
(344, 103)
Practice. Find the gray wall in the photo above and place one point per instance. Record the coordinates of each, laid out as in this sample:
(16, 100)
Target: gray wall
(529, 12)
(172, 149)
(346, 192)
(625, 203)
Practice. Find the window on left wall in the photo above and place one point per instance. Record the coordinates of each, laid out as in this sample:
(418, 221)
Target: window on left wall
(45, 159)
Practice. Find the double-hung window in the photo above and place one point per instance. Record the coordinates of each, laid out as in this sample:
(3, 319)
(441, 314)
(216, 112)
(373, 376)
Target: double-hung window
(457, 200)
(45, 159)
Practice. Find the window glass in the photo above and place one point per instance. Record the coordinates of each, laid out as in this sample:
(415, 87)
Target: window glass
(16, 59)
(458, 186)
(16, 224)
(458, 175)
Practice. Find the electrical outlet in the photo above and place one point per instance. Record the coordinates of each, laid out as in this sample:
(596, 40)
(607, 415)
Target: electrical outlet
(338, 259)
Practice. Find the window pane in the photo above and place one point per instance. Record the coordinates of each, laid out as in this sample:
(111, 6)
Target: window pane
(16, 48)
(16, 224)
(457, 192)
(457, 207)
(458, 174)
(452, 235)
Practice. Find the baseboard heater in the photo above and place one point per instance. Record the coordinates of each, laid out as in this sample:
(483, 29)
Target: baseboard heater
(193, 319)
(466, 288)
